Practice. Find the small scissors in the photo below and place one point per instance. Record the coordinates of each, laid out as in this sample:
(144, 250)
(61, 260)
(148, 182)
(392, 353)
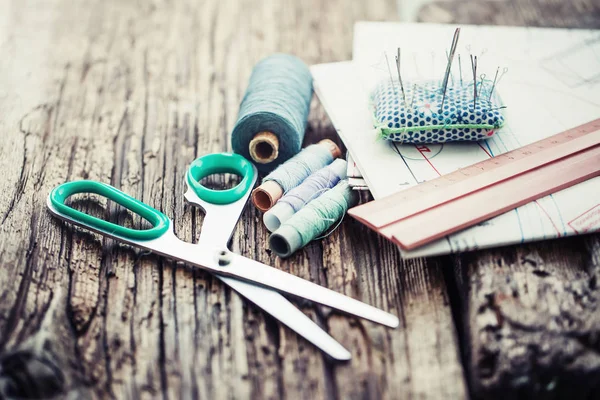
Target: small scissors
(256, 281)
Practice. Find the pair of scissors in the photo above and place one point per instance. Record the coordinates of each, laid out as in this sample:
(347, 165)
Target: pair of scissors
(256, 281)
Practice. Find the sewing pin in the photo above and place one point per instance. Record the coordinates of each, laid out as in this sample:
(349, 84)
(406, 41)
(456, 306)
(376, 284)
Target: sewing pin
(398, 60)
(481, 83)
(494, 84)
(504, 71)
(391, 76)
(449, 65)
(497, 108)
(417, 65)
(460, 70)
(474, 68)
(414, 90)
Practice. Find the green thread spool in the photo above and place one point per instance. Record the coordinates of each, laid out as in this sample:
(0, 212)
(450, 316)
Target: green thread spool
(313, 219)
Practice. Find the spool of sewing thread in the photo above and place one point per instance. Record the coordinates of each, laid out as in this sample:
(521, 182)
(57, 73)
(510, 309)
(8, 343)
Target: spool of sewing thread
(312, 187)
(313, 219)
(274, 111)
(291, 173)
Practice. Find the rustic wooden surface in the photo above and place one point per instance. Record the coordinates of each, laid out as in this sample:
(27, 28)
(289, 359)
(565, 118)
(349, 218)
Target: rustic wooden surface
(130, 93)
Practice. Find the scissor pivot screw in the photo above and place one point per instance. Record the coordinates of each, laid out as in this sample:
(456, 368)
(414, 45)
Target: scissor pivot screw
(224, 257)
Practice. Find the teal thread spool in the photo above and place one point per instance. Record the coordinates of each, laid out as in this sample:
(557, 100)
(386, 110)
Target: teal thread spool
(274, 111)
(313, 219)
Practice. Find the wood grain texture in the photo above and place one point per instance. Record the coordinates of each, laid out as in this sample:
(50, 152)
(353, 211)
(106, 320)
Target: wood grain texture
(530, 314)
(533, 319)
(583, 14)
(130, 93)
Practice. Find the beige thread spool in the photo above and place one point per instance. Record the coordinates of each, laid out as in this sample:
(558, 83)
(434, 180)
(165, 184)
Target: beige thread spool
(264, 147)
(267, 194)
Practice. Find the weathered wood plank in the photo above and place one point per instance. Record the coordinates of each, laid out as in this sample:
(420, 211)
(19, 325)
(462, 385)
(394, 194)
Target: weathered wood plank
(530, 313)
(130, 93)
(543, 13)
(533, 319)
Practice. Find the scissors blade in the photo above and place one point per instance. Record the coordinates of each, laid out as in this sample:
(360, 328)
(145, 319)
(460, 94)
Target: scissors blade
(238, 266)
(284, 311)
(217, 227)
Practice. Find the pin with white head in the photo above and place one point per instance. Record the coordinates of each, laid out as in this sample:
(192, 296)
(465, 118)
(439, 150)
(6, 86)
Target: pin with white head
(497, 80)
(504, 71)
(481, 83)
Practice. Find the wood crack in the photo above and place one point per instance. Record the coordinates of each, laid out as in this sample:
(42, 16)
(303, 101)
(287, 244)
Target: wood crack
(17, 308)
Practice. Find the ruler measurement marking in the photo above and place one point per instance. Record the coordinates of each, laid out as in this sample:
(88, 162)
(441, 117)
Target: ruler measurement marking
(448, 218)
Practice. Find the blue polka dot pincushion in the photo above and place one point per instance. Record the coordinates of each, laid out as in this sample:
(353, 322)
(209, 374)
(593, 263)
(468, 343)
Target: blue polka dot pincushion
(418, 115)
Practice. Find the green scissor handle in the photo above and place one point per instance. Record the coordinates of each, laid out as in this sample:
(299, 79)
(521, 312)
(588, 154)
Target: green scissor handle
(159, 221)
(218, 163)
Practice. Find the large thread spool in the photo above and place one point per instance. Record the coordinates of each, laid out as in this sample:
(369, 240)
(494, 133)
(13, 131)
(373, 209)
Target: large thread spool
(274, 111)
(313, 219)
(291, 173)
(311, 188)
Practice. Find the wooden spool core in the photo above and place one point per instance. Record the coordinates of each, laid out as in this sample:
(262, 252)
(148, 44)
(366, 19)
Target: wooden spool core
(264, 147)
(333, 148)
(266, 195)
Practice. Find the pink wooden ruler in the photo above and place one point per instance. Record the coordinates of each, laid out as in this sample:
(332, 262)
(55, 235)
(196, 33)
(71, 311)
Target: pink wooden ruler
(452, 202)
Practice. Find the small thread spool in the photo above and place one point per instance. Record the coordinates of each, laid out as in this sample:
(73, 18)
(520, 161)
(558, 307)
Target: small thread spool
(291, 173)
(313, 219)
(274, 111)
(311, 188)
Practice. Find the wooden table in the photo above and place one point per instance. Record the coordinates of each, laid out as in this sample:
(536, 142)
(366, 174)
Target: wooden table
(130, 93)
